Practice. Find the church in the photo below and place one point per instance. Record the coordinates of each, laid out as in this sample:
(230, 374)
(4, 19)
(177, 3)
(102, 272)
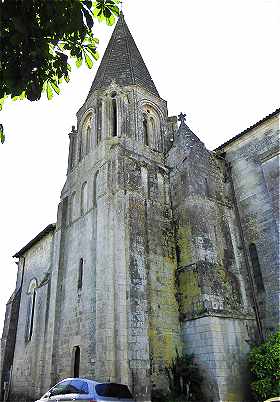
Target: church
(160, 247)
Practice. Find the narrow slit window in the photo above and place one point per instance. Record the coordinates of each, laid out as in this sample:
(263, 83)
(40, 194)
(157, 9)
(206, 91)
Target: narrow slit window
(80, 150)
(84, 198)
(88, 139)
(80, 276)
(32, 314)
(31, 309)
(77, 357)
(95, 188)
(114, 116)
(256, 267)
(145, 128)
(99, 121)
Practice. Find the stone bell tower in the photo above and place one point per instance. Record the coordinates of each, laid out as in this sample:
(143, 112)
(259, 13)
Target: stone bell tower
(116, 172)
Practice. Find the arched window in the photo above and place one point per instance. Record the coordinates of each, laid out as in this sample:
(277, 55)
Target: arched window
(99, 121)
(256, 267)
(95, 179)
(31, 292)
(76, 363)
(80, 275)
(81, 149)
(84, 198)
(114, 115)
(152, 125)
(88, 139)
(145, 129)
(72, 208)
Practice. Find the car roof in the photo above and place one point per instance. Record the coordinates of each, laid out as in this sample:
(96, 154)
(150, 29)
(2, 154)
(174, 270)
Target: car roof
(79, 378)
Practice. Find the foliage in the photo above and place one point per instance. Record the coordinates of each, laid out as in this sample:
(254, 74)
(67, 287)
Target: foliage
(37, 38)
(184, 381)
(264, 361)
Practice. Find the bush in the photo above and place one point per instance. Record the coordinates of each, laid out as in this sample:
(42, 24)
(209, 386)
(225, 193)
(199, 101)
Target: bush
(184, 381)
(264, 363)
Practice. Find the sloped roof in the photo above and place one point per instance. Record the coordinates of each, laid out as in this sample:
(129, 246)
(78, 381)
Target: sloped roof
(44, 232)
(122, 62)
(236, 137)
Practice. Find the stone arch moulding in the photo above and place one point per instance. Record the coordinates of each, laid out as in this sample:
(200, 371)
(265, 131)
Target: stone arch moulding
(33, 284)
(155, 119)
(85, 144)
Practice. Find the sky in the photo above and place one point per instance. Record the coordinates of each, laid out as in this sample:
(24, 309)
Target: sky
(218, 61)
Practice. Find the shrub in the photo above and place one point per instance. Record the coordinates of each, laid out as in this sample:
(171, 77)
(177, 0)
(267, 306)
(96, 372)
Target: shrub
(184, 381)
(264, 363)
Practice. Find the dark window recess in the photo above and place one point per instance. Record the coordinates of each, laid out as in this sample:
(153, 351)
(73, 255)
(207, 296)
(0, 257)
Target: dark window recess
(114, 117)
(80, 150)
(256, 267)
(88, 140)
(80, 277)
(76, 370)
(32, 314)
(95, 188)
(99, 121)
(145, 128)
(112, 390)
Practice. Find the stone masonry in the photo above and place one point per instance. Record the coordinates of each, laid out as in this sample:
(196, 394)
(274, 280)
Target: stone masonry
(160, 246)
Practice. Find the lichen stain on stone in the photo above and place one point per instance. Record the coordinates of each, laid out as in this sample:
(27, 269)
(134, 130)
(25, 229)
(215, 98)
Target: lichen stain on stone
(184, 245)
(251, 228)
(189, 290)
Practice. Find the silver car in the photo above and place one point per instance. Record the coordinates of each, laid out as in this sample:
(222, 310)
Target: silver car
(84, 390)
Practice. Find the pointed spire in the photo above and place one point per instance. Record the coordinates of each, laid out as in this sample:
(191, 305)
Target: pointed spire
(122, 62)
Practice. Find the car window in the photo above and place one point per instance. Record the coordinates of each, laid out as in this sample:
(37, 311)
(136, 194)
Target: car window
(61, 388)
(78, 387)
(112, 390)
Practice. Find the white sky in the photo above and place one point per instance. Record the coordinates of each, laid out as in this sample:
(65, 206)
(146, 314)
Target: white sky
(218, 61)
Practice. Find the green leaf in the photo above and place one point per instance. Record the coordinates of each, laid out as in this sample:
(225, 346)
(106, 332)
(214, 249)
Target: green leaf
(89, 62)
(79, 62)
(2, 100)
(2, 135)
(66, 78)
(49, 92)
(55, 87)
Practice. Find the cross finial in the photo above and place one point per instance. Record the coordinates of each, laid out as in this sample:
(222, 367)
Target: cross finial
(121, 6)
(182, 118)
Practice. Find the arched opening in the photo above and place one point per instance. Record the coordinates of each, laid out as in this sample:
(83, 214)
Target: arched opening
(114, 115)
(99, 121)
(152, 125)
(80, 275)
(72, 208)
(76, 367)
(88, 139)
(81, 149)
(256, 267)
(95, 188)
(31, 309)
(145, 128)
(84, 198)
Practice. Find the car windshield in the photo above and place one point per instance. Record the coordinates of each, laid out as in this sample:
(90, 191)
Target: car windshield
(112, 390)
(70, 387)
(60, 388)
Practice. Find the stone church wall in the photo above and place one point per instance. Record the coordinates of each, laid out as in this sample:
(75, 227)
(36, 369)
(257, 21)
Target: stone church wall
(254, 160)
(213, 292)
(29, 353)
